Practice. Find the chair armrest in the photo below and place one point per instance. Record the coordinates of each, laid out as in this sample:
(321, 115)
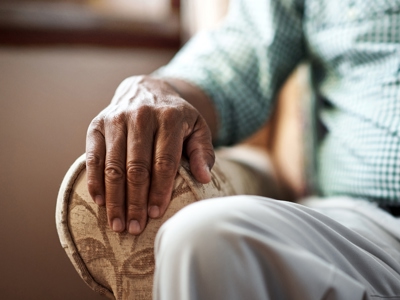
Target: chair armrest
(119, 265)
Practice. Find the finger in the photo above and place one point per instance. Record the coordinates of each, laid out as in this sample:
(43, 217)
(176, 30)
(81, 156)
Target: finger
(95, 155)
(138, 169)
(200, 151)
(166, 159)
(114, 172)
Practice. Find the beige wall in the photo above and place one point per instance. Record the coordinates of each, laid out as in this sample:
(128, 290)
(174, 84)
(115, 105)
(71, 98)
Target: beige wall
(47, 99)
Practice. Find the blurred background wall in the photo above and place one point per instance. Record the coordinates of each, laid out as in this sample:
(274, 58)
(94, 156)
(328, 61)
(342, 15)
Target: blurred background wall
(60, 62)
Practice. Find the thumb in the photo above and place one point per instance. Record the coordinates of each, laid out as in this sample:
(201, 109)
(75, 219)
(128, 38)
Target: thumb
(200, 151)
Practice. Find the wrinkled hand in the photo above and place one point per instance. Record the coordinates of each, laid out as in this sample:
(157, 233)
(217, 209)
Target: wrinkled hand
(134, 147)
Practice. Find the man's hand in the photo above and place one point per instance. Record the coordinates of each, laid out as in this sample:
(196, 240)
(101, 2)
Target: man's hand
(134, 147)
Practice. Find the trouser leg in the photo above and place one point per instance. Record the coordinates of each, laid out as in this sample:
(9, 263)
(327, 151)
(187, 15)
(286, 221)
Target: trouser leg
(247, 247)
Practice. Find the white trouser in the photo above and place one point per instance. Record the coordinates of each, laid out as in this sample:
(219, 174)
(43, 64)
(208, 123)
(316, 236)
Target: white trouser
(248, 247)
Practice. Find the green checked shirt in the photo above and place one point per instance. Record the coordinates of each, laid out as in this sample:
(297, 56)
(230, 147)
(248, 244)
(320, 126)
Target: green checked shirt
(353, 47)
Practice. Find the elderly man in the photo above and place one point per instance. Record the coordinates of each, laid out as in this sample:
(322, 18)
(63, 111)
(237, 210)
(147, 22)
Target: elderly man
(217, 91)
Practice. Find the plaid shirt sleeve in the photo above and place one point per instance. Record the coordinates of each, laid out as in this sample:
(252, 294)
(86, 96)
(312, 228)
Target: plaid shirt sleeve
(242, 64)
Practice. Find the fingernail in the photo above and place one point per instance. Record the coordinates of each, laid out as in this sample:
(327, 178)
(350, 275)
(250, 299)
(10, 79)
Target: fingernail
(99, 200)
(207, 169)
(134, 227)
(117, 225)
(154, 211)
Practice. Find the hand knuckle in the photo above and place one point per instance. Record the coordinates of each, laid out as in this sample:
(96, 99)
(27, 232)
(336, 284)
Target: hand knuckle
(96, 124)
(210, 152)
(114, 173)
(93, 184)
(142, 115)
(114, 207)
(135, 209)
(95, 129)
(115, 118)
(165, 165)
(93, 187)
(159, 196)
(144, 110)
(94, 160)
(138, 173)
(171, 116)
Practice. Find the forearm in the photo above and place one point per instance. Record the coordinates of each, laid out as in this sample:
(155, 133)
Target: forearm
(196, 97)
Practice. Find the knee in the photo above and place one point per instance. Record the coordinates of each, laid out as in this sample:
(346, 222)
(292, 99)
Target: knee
(225, 221)
(200, 225)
